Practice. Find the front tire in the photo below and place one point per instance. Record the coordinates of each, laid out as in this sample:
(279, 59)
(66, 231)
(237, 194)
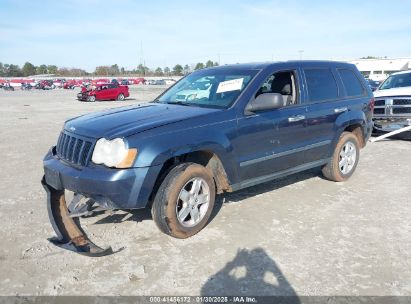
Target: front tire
(344, 160)
(184, 201)
(91, 98)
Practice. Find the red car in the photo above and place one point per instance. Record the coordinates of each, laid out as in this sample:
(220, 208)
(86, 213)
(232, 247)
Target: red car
(139, 80)
(96, 82)
(108, 91)
(70, 84)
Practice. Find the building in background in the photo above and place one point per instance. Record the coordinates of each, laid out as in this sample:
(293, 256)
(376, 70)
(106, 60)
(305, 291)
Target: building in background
(380, 69)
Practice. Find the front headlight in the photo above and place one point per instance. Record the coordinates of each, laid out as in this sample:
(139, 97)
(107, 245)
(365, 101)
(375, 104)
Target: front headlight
(113, 153)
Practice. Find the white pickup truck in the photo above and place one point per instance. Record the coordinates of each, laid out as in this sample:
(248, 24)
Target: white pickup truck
(393, 103)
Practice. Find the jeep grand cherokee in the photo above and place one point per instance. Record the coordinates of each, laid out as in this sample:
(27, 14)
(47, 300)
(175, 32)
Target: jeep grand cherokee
(257, 122)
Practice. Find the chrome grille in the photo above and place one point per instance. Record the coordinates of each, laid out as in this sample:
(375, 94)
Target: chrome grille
(401, 110)
(379, 107)
(380, 102)
(401, 102)
(393, 107)
(74, 149)
(379, 111)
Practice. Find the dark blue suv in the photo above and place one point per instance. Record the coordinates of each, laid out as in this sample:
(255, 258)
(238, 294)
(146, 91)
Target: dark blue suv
(216, 130)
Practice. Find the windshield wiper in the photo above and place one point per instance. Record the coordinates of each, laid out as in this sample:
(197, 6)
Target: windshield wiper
(187, 104)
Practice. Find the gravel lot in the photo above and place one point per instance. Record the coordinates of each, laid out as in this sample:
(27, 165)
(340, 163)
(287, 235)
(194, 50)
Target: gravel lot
(300, 235)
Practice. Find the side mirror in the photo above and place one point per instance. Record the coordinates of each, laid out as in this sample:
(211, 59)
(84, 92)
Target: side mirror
(266, 101)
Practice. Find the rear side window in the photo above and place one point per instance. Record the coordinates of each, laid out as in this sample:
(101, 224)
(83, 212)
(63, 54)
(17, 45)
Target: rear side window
(321, 84)
(352, 84)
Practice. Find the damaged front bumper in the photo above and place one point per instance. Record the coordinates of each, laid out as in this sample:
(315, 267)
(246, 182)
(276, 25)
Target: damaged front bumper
(111, 188)
(106, 187)
(70, 235)
(391, 124)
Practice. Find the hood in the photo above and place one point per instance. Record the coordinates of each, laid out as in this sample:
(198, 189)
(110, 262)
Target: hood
(126, 121)
(404, 91)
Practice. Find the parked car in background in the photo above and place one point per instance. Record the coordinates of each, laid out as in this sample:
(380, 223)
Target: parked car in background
(70, 85)
(160, 82)
(197, 90)
(373, 84)
(84, 82)
(139, 80)
(125, 82)
(58, 83)
(8, 87)
(114, 81)
(259, 122)
(45, 85)
(106, 91)
(26, 86)
(96, 82)
(393, 103)
(18, 82)
(156, 82)
(170, 81)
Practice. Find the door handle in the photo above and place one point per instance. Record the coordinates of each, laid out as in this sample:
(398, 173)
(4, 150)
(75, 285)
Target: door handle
(296, 118)
(340, 110)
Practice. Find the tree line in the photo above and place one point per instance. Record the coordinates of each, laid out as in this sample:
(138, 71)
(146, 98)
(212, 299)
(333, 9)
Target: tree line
(28, 69)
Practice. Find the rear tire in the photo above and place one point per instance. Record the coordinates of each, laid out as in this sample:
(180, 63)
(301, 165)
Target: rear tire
(120, 97)
(344, 159)
(184, 201)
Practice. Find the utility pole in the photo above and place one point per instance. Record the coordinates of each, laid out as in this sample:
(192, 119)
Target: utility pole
(301, 54)
(142, 61)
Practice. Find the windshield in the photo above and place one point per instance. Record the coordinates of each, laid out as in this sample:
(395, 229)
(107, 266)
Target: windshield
(214, 88)
(397, 81)
(201, 85)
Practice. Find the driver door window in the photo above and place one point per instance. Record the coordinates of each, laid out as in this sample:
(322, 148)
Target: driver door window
(283, 83)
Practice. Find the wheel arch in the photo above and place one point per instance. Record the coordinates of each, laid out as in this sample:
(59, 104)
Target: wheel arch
(354, 122)
(357, 130)
(207, 158)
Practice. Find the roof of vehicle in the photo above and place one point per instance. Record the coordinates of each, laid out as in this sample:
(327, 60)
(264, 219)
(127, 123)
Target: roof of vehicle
(263, 65)
(402, 72)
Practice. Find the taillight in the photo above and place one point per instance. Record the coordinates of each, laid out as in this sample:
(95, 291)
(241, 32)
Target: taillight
(372, 103)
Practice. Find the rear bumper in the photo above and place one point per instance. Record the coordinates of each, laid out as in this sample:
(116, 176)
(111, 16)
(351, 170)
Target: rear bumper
(111, 188)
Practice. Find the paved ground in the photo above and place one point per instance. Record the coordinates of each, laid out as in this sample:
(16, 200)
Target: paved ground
(300, 235)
